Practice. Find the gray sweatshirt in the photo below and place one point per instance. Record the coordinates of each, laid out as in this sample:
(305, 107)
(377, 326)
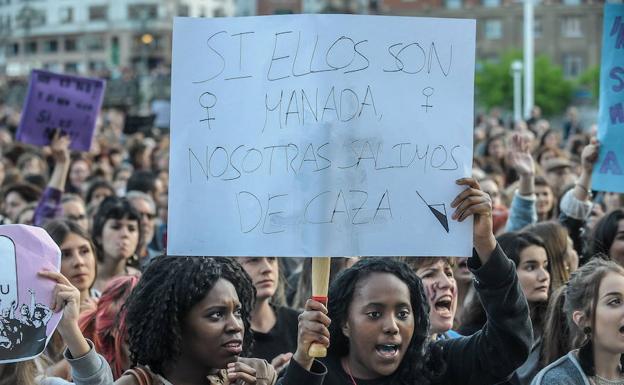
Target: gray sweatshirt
(565, 371)
(90, 369)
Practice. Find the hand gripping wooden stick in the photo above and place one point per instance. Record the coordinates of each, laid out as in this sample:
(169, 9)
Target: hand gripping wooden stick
(320, 285)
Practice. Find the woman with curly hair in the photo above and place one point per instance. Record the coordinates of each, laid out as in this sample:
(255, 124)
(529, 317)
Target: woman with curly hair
(188, 323)
(379, 316)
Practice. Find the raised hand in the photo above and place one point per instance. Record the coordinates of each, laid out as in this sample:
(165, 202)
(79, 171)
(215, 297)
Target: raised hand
(66, 299)
(60, 147)
(313, 328)
(473, 201)
(589, 155)
(519, 155)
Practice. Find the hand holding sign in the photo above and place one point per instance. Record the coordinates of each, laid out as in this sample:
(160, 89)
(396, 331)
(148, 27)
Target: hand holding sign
(66, 299)
(474, 202)
(60, 147)
(589, 155)
(312, 329)
(60, 102)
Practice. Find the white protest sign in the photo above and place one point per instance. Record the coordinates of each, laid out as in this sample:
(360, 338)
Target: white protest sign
(308, 135)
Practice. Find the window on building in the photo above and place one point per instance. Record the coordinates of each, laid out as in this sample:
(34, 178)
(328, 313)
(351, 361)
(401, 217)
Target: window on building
(13, 49)
(71, 45)
(491, 3)
(52, 66)
(98, 12)
(572, 65)
(219, 12)
(453, 4)
(142, 11)
(66, 15)
(31, 47)
(571, 2)
(94, 42)
(537, 27)
(97, 65)
(71, 67)
(184, 10)
(493, 29)
(571, 27)
(5, 25)
(50, 46)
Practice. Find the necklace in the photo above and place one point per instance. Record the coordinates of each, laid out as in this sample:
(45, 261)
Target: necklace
(604, 381)
(346, 363)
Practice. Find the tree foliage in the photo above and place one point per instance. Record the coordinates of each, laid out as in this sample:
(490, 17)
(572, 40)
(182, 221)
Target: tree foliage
(494, 84)
(590, 81)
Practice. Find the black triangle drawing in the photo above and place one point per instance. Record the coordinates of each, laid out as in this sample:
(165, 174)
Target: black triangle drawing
(441, 217)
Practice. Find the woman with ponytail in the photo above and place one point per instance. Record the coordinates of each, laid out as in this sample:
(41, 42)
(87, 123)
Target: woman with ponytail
(556, 335)
(593, 306)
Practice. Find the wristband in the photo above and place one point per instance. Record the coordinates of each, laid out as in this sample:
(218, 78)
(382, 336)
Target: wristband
(321, 299)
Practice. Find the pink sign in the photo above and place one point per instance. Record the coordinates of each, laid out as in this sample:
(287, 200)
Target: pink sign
(26, 321)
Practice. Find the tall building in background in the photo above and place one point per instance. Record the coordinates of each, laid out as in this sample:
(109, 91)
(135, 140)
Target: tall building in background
(85, 36)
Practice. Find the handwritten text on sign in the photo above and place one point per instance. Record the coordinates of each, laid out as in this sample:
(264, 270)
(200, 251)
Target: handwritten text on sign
(609, 170)
(60, 102)
(320, 135)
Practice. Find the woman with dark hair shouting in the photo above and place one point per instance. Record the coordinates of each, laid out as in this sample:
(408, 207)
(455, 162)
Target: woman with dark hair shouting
(378, 320)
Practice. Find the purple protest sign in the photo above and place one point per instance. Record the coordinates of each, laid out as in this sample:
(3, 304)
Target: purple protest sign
(26, 321)
(66, 102)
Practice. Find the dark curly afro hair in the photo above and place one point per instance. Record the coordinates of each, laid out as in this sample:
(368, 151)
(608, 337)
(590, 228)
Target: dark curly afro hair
(167, 291)
(422, 361)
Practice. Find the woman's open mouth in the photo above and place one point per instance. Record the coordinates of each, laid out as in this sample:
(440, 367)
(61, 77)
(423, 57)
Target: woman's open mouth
(388, 350)
(443, 306)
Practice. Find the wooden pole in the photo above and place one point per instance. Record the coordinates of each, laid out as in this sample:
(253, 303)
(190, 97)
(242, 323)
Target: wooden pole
(320, 286)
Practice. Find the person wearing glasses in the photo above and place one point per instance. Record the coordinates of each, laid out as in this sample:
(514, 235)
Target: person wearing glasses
(145, 206)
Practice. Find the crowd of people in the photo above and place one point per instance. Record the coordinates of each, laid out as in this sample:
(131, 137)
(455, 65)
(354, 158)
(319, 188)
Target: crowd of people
(541, 301)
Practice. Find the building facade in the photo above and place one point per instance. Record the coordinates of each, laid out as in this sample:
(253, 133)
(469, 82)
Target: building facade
(86, 36)
(569, 32)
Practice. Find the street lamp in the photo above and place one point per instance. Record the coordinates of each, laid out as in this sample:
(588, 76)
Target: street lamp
(516, 73)
(147, 38)
(528, 57)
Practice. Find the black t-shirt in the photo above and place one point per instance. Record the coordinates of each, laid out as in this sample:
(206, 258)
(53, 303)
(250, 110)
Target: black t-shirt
(281, 339)
(336, 375)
